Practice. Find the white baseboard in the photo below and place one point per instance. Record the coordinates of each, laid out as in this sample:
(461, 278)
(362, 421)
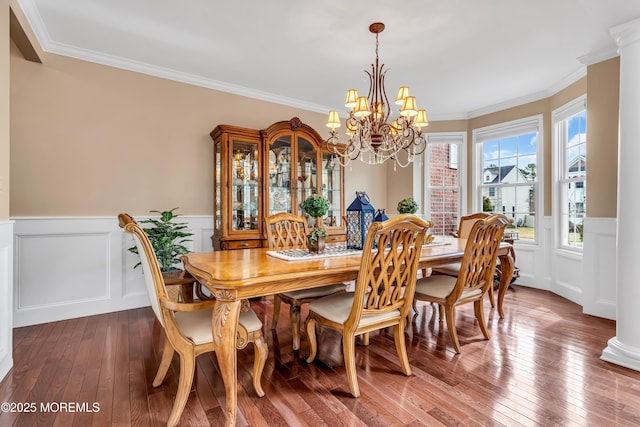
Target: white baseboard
(72, 267)
(6, 297)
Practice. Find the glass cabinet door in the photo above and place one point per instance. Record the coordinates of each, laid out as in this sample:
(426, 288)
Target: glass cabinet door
(307, 175)
(280, 175)
(217, 202)
(245, 191)
(332, 189)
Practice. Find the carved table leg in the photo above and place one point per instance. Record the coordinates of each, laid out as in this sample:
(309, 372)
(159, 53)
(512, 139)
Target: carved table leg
(224, 323)
(506, 265)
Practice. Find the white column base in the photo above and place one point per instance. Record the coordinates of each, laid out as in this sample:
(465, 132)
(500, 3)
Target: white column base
(620, 354)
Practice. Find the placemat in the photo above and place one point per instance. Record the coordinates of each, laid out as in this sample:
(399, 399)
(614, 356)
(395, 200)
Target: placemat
(305, 255)
(329, 251)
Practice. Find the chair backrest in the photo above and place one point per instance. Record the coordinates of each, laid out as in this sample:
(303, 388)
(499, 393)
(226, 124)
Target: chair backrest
(388, 270)
(480, 254)
(286, 231)
(150, 268)
(467, 222)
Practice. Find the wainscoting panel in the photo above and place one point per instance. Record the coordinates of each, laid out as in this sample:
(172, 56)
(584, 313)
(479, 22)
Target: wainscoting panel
(6, 297)
(599, 296)
(80, 275)
(532, 260)
(72, 267)
(568, 276)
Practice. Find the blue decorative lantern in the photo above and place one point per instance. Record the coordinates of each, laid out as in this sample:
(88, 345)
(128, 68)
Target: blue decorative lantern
(360, 215)
(380, 216)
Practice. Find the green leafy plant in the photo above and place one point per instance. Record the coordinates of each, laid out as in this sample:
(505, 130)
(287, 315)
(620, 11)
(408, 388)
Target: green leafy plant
(316, 206)
(167, 238)
(407, 206)
(486, 204)
(315, 233)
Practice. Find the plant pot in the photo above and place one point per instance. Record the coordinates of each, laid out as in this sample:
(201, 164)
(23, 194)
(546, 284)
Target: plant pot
(317, 246)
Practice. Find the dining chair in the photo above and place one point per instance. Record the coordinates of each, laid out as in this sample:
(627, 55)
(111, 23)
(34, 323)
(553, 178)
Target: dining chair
(383, 293)
(288, 231)
(464, 228)
(187, 326)
(474, 278)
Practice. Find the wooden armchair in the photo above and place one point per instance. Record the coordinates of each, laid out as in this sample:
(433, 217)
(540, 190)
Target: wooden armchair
(474, 278)
(187, 326)
(288, 231)
(383, 295)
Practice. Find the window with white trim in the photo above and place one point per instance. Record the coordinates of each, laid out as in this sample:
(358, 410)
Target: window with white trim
(508, 170)
(443, 180)
(570, 171)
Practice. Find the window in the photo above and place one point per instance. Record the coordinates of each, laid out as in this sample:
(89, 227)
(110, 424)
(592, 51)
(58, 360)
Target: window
(508, 171)
(570, 171)
(443, 178)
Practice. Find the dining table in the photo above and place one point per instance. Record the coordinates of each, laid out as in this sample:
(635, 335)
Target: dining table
(236, 275)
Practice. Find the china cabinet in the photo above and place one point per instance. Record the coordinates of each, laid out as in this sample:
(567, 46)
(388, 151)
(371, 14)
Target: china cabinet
(258, 173)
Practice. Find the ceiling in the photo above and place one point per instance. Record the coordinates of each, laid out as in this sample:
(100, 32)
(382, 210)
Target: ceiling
(461, 58)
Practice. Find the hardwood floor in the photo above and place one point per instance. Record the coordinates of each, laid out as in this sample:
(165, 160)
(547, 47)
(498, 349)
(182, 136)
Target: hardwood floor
(541, 367)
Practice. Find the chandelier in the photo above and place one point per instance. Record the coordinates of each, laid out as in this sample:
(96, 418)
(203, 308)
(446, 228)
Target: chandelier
(373, 136)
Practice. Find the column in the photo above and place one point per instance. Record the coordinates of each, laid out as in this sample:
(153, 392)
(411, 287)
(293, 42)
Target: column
(624, 348)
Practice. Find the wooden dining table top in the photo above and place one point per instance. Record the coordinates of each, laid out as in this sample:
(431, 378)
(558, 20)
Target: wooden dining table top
(252, 272)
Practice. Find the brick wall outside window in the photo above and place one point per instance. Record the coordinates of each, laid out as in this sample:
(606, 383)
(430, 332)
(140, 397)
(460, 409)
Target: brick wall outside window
(443, 201)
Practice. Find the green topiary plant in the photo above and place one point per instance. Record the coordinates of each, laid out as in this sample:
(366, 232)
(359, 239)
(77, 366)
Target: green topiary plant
(316, 206)
(167, 238)
(407, 206)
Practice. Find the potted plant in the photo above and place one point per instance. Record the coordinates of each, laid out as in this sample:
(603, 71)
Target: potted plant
(316, 206)
(167, 238)
(407, 206)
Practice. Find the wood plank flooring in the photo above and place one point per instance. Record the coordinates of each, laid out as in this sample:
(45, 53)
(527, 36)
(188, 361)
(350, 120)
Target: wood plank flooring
(541, 367)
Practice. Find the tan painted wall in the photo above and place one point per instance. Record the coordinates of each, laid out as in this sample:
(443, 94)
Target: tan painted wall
(4, 110)
(603, 95)
(84, 134)
(88, 139)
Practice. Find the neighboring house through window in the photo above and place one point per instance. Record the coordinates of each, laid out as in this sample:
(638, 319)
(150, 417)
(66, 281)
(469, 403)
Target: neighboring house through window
(570, 171)
(508, 168)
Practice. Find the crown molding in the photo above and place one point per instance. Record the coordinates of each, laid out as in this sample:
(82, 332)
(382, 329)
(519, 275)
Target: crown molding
(598, 56)
(170, 74)
(627, 33)
(567, 81)
(552, 90)
(36, 22)
(447, 117)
